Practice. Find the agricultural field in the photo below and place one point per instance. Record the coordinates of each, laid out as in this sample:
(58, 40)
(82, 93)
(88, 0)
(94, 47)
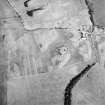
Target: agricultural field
(52, 52)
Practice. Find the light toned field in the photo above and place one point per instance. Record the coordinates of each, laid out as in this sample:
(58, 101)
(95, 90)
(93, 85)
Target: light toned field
(42, 51)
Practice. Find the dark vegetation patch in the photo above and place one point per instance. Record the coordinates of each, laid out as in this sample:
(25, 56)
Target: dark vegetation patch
(72, 83)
